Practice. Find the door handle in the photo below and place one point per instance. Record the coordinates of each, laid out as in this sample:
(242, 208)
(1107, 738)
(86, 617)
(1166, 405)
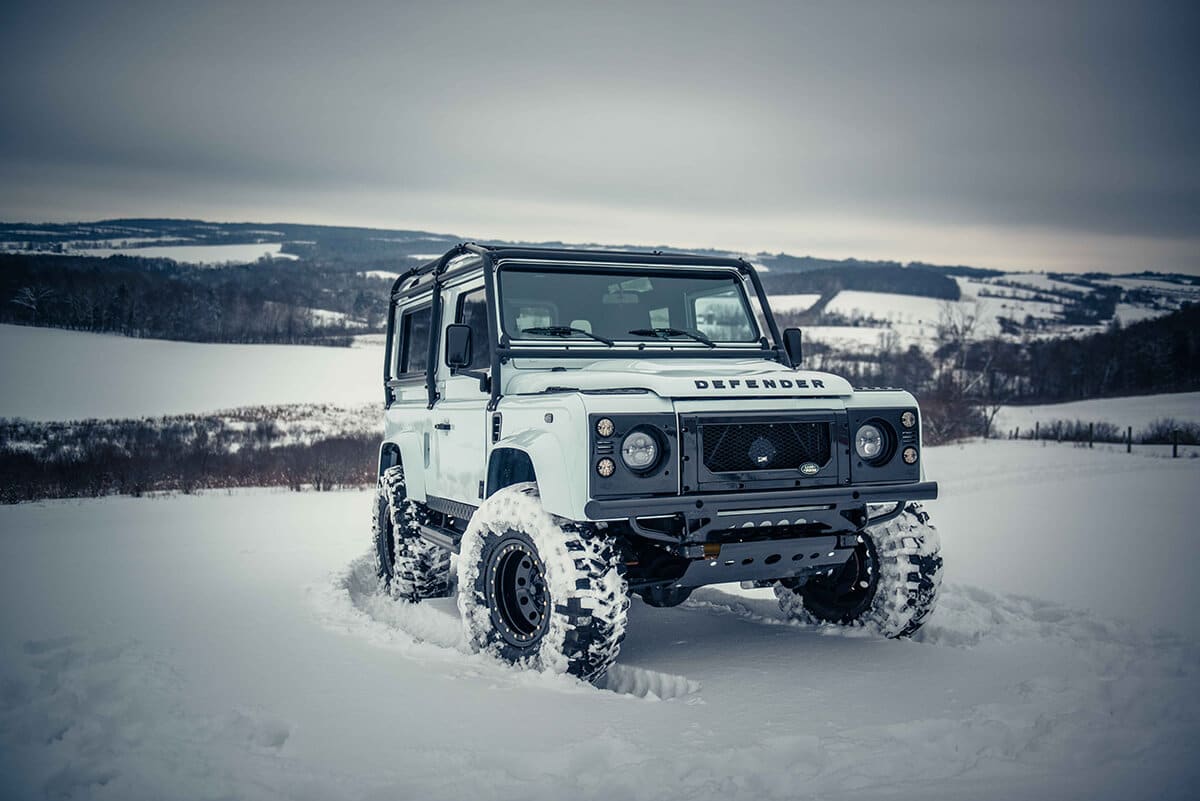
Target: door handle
(442, 426)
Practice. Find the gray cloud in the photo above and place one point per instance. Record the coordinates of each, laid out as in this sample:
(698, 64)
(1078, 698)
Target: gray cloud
(919, 128)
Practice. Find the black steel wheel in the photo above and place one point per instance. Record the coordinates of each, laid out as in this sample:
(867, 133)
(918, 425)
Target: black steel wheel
(843, 595)
(516, 591)
(539, 591)
(889, 584)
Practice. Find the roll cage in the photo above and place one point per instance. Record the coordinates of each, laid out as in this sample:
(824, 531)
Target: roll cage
(432, 276)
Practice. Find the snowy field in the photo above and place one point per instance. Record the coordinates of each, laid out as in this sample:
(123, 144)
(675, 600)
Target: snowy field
(51, 374)
(793, 303)
(1139, 411)
(230, 646)
(1015, 296)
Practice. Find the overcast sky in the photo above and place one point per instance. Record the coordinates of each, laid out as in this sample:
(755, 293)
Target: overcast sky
(1041, 135)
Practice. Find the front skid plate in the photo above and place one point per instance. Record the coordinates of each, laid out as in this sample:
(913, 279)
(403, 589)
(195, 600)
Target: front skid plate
(765, 559)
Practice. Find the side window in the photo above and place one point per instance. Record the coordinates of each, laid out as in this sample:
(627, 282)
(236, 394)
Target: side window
(472, 311)
(414, 340)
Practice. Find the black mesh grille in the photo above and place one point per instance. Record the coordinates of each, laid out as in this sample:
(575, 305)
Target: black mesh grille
(743, 447)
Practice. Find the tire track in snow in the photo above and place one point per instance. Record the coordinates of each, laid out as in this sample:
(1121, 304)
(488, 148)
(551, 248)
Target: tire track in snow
(432, 630)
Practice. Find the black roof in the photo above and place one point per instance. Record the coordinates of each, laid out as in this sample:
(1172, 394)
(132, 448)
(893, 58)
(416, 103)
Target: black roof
(501, 252)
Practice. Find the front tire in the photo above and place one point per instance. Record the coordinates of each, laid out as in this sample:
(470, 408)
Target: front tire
(538, 591)
(408, 567)
(889, 585)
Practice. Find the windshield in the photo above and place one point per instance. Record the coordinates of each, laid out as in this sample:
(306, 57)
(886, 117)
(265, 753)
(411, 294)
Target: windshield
(677, 305)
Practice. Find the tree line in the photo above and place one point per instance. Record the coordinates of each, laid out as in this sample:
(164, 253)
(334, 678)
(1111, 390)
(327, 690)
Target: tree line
(922, 281)
(92, 458)
(967, 379)
(266, 302)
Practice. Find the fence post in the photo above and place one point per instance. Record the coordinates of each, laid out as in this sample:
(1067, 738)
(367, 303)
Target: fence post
(1175, 443)
(1091, 435)
(1017, 433)
(1037, 430)
(1129, 439)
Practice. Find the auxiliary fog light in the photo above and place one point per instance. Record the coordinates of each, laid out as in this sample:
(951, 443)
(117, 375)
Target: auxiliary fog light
(910, 455)
(605, 427)
(606, 467)
(869, 442)
(908, 419)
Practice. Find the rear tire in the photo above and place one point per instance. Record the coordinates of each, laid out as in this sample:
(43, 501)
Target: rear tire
(408, 567)
(538, 591)
(890, 585)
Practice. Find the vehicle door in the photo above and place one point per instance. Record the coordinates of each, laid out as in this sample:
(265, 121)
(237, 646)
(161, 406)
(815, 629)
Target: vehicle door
(460, 415)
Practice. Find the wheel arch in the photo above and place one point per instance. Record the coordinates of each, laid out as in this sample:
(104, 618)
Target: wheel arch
(405, 449)
(536, 457)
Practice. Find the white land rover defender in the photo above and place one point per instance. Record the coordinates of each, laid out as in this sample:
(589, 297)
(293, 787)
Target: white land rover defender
(579, 425)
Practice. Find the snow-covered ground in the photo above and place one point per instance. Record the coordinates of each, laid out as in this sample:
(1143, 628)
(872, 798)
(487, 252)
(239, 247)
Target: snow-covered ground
(1139, 411)
(915, 319)
(793, 303)
(230, 646)
(1014, 296)
(383, 275)
(321, 318)
(51, 374)
(848, 338)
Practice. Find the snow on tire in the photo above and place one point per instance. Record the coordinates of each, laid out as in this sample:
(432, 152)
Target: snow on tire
(890, 585)
(408, 567)
(539, 591)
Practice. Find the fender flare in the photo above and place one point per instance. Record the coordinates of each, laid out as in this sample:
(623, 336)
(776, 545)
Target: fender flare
(406, 449)
(554, 476)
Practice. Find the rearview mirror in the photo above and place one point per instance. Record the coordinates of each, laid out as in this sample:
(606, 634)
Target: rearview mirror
(458, 345)
(791, 343)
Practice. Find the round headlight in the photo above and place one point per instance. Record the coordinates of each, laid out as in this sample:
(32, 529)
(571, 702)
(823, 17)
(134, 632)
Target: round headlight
(639, 450)
(869, 442)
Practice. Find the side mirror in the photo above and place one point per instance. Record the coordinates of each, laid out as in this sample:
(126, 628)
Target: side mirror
(791, 343)
(458, 345)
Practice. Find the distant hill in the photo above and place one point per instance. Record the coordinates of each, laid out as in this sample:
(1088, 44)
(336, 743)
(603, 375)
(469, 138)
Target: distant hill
(784, 263)
(362, 248)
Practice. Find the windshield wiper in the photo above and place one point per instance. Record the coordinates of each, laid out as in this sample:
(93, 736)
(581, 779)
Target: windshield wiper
(665, 333)
(565, 331)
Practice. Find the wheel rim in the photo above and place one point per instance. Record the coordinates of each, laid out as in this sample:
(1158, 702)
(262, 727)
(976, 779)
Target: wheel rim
(848, 592)
(519, 599)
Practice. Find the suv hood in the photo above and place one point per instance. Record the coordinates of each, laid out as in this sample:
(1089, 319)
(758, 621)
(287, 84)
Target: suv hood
(698, 378)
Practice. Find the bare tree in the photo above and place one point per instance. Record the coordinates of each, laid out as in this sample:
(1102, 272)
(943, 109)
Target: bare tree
(32, 297)
(956, 327)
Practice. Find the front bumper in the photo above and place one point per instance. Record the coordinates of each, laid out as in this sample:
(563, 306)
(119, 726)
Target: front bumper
(825, 506)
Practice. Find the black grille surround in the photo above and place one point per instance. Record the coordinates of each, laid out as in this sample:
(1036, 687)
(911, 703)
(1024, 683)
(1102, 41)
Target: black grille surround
(749, 447)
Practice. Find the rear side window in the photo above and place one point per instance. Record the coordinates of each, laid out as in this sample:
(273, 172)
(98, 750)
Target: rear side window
(414, 340)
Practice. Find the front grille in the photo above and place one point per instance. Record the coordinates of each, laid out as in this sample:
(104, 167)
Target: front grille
(743, 447)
